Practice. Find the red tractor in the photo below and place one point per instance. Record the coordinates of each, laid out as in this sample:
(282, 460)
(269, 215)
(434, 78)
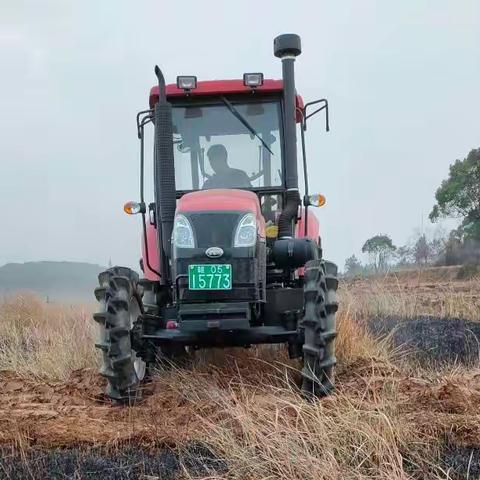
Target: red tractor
(230, 256)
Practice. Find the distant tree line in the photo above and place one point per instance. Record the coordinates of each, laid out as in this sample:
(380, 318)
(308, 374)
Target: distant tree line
(457, 197)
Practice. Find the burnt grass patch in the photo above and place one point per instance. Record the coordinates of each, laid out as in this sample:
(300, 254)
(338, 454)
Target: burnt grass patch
(461, 462)
(127, 463)
(432, 340)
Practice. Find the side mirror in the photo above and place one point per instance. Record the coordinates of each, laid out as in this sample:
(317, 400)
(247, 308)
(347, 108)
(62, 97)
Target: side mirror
(324, 106)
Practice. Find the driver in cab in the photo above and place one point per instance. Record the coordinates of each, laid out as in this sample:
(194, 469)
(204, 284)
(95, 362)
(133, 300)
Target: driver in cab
(224, 176)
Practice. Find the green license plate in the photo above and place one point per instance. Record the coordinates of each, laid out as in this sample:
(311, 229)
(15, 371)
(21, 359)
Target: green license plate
(210, 277)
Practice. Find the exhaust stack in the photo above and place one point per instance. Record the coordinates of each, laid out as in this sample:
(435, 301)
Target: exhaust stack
(164, 172)
(287, 47)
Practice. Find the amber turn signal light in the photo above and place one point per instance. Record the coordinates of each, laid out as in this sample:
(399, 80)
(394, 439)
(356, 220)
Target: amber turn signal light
(132, 208)
(316, 200)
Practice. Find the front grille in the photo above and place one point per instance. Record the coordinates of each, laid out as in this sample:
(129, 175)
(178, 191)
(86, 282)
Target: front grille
(214, 229)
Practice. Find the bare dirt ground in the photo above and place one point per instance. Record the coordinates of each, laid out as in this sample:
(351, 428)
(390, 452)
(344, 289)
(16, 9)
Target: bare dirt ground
(59, 414)
(397, 413)
(38, 416)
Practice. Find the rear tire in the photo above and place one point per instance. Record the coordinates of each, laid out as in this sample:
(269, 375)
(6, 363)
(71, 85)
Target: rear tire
(319, 326)
(120, 306)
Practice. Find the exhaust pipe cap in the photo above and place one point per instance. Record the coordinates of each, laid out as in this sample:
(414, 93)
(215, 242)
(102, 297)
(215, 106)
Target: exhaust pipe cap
(288, 44)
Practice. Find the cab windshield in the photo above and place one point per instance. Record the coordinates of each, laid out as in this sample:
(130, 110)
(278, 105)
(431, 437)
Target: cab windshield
(227, 145)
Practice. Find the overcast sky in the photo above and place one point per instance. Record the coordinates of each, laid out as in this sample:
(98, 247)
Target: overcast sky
(402, 78)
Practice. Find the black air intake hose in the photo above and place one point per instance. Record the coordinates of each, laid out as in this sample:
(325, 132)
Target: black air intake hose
(164, 172)
(289, 214)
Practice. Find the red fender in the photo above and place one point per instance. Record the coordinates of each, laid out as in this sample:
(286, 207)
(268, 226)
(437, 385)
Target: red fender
(313, 230)
(313, 225)
(153, 254)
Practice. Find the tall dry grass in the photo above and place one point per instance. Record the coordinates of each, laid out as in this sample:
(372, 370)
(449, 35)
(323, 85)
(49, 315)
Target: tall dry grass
(259, 423)
(391, 296)
(271, 432)
(253, 416)
(246, 405)
(45, 340)
(51, 340)
(353, 340)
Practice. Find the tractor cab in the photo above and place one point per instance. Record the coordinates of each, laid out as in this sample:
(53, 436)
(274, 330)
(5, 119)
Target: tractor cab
(229, 135)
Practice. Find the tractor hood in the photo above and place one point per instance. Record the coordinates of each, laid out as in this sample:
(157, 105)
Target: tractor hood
(219, 200)
(222, 200)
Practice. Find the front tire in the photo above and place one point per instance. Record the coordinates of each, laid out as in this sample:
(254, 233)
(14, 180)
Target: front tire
(120, 306)
(319, 327)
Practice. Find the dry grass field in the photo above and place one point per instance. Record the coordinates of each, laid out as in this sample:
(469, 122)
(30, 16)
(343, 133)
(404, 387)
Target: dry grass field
(238, 414)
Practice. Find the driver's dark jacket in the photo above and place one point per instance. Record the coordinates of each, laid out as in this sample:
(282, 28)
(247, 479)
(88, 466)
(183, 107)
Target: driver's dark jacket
(231, 178)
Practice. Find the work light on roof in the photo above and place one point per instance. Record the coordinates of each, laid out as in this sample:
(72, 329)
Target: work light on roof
(187, 82)
(253, 79)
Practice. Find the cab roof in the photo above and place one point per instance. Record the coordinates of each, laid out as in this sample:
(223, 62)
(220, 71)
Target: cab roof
(218, 87)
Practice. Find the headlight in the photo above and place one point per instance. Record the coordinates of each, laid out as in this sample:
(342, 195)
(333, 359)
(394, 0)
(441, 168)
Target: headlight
(183, 233)
(246, 233)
